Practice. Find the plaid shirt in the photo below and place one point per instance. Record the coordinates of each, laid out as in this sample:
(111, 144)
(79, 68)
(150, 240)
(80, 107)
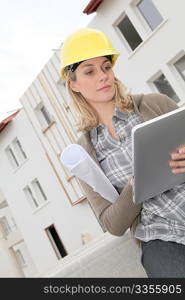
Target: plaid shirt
(163, 216)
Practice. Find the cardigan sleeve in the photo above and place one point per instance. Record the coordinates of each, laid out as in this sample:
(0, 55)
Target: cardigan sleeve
(153, 105)
(116, 217)
(168, 104)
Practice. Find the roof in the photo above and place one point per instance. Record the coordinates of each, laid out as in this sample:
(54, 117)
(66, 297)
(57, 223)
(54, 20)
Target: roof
(6, 121)
(92, 6)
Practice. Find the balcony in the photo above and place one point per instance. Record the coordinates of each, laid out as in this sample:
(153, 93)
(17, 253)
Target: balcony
(105, 257)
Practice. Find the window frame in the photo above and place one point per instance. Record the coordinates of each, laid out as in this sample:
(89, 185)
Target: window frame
(142, 19)
(15, 153)
(19, 149)
(180, 82)
(120, 34)
(38, 191)
(6, 227)
(154, 88)
(44, 117)
(12, 157)
(30, 197)
(176, 68)
(35, 194)
(20, 258)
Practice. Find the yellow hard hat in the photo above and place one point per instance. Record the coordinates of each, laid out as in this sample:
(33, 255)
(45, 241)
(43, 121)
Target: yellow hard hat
(84, 44)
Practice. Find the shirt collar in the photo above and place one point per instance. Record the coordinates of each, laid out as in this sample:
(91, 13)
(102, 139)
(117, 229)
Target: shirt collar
(119, 114)
(116, 114)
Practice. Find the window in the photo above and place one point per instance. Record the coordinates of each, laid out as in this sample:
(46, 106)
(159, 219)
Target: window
(129, 32)
(180, 67)
(15, 153)
(30, 197)
(11, 157)
(39, 191)
(56, 241)
(20, 258)
(43, 115)
(164, 87)
(19, 150)
(35, 194)
(5, 226)
(46, 115)
(149, 13)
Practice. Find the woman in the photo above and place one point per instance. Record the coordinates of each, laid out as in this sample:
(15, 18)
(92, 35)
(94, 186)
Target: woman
(106, 116)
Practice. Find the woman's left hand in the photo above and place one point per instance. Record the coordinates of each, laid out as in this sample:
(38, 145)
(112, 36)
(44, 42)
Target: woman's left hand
(177, 161)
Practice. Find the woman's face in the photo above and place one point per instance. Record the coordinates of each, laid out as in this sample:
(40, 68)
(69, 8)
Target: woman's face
(95, 80)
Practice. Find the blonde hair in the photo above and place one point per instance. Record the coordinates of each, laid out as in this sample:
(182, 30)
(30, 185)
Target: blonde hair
(85, 114)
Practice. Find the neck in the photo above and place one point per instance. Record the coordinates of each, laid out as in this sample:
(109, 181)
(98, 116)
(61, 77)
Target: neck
(105, 112)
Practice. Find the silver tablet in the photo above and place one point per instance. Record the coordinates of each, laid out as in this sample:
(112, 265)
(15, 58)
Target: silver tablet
(152, 143)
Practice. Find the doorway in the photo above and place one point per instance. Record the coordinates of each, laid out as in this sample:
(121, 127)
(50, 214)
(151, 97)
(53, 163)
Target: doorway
(56, 241)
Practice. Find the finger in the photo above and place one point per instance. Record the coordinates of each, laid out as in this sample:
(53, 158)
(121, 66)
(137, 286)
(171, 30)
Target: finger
(179, 170)
(178, 163)
(181, 149)
(177, 156)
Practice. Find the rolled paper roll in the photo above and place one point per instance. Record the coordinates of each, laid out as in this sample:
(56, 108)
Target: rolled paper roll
(76, 158)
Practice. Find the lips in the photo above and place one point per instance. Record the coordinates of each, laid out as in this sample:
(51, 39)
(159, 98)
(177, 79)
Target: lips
(104, 88)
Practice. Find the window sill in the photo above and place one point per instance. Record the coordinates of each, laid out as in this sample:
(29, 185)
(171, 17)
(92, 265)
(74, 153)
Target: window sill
(16, 169)
(70, 178)
(51, 124)
(41, 206)
(79, 200)
(148, 38)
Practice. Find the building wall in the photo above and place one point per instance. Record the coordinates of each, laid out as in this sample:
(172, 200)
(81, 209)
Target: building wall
(159, 49)
(25, 263)
(9, 267)
(71, 221)
(11, 239)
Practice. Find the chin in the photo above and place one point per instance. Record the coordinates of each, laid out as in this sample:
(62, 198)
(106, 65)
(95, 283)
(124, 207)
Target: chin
(108, 99)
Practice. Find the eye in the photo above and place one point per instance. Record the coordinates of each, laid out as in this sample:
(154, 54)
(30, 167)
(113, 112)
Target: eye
(89, 72)
(108, 67)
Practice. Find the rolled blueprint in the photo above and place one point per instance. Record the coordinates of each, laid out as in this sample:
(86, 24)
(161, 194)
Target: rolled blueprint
(76, 158)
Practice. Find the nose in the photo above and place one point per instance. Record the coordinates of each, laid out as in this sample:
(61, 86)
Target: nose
(102, 74)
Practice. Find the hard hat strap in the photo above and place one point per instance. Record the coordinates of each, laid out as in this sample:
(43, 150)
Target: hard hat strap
(73, 67)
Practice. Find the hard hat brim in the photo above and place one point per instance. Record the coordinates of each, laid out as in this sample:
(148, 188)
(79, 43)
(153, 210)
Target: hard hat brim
(99, 54)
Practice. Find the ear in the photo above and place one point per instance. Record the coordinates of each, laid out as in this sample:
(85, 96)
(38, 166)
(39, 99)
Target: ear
(73, 86)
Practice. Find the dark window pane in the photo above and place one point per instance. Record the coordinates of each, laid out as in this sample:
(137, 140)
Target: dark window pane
(129, 33)
(150, 13)
(180, 66)
(164, 87)
(46, 115)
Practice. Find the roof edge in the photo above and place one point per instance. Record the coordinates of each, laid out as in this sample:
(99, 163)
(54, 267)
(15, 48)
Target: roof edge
(6, 121)
(92, 6)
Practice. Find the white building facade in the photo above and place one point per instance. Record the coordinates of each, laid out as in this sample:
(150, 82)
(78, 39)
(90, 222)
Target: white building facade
(149, 36)
(14, 255)
(48, 205)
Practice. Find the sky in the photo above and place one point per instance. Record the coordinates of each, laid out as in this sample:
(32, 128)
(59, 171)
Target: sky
(29, 31)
